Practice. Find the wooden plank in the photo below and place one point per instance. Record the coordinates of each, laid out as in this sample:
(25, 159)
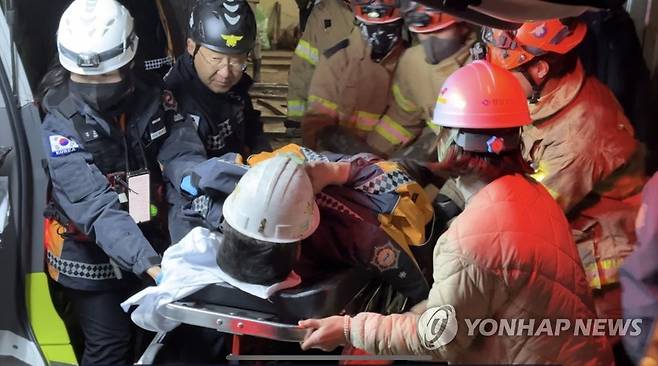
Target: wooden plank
(277, 54)
(268, 96)
(270, 86)
(271, 90)
(271, 107)
(275, 63)
(274, 128)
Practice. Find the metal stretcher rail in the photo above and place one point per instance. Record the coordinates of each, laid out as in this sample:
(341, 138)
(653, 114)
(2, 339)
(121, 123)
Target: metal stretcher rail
(234, 321)
(358, 293)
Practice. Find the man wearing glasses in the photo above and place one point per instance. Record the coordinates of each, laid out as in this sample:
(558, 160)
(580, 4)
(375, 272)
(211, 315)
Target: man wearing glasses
(210, 80)
(210, 83)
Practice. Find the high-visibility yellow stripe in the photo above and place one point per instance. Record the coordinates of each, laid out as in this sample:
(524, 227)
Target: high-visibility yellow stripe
(404, 103)
(603, 272)
(365, 121)
(325, 102)
(392, 131)
(296, 108)
(322, 105)
(611, 263)
(307, 52)
(315, 56)
(302, 47)
(540, 174)
(433, 126)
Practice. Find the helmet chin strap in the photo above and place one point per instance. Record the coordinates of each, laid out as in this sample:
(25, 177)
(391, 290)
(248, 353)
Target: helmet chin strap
(536, 88)
(197, 47)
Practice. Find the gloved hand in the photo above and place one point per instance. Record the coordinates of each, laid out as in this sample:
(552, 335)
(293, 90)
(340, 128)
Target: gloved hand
(189, 186)
(478, 51)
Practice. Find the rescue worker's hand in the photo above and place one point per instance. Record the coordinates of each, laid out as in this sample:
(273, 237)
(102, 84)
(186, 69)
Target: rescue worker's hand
(154, 272)
(327, 333)
(419, 308)
(323, 173)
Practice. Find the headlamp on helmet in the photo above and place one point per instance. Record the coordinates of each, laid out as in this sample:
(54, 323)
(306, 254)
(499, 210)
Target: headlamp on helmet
(377, 11)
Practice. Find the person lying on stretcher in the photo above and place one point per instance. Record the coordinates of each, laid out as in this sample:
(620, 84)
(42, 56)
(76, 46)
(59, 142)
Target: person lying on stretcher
(295, 207)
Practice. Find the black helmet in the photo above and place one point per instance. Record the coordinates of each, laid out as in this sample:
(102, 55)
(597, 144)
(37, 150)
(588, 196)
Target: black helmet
(226, 26)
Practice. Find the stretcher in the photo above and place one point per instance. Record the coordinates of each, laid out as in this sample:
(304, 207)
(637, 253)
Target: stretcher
(229, 310)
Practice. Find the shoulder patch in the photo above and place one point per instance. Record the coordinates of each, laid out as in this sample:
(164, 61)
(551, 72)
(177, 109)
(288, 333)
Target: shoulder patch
(386, 257)
(337, 47)
(168, 101)
(60, 145)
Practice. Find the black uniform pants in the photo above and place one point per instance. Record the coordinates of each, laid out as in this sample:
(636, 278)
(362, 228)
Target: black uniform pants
(108, 331)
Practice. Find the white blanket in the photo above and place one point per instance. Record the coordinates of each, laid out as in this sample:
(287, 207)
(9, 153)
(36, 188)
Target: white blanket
(187, 267)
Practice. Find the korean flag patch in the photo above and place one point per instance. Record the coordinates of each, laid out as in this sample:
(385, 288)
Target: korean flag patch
(60, 145)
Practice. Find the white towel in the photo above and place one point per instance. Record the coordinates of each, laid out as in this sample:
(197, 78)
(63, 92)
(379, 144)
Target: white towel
(187, 267)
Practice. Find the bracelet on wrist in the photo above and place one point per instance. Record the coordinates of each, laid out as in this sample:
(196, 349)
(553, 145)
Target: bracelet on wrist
(347, 324)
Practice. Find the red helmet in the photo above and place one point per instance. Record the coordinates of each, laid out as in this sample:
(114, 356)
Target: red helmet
(481, 100)
(480, 95)
(376, 11)
(423, 19)
(511, 49)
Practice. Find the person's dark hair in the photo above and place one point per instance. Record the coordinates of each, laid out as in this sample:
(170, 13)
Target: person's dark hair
(487, 166)
(255, 261)
(559, 65)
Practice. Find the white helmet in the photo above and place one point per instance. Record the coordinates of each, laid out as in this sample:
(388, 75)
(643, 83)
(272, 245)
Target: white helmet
(95, 37)
(274, 202)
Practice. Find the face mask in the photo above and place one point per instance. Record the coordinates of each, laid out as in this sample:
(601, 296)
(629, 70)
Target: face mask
(438, 49)
(381, 37)
(104, 98)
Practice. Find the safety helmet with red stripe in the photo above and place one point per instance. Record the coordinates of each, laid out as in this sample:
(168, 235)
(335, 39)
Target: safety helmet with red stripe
(484, 105)
(377, 11)
(511, 49)
(423, 19)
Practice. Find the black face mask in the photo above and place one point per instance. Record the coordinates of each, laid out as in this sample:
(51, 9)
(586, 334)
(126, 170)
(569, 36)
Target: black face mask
(381, 37)
(438, 49)
(104, 98)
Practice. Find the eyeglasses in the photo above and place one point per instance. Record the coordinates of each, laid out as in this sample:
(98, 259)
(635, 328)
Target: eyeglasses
(506, 40)
(499, 38)
(222, 63)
